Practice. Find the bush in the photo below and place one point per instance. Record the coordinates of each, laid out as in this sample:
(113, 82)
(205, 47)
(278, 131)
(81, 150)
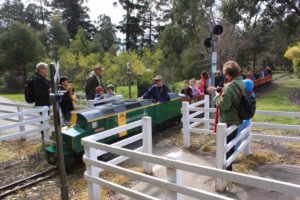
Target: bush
(293, 53)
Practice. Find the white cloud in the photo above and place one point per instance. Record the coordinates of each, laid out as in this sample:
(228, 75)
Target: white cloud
(100, 7)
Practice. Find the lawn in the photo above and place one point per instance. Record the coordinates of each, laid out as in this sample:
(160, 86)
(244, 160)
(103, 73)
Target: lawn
(277, 98)
(14, 97)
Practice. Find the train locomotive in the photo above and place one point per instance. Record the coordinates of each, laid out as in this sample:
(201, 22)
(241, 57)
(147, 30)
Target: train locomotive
(94, 120)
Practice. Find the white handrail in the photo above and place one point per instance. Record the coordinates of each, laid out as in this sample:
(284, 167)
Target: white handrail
(264, 183)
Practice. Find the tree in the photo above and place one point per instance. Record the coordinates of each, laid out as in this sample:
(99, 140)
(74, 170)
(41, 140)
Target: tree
(19, 46)
(106, 33)
(75, 16)
(130, 25)
(293, 53)
(58, 36)
(181, 41)
(10, 12)
(36, 16)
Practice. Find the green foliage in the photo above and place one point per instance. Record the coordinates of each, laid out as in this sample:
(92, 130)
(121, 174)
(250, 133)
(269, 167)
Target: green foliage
(58, 36)
(293, 53)
(152, 59)
(75, 16)
(80, 44)
(106, 35)
(19, 45)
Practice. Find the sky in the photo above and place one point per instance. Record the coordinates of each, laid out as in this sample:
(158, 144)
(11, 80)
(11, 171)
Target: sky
(98, 7)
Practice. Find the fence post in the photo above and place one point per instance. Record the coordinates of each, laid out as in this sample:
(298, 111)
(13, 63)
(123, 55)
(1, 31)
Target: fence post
(147, 141)
(185, 125)
(247, 150)
(87, 154)
(206, 113)
(45, 114)
(20, 118)
(174, 176)
(221, 153)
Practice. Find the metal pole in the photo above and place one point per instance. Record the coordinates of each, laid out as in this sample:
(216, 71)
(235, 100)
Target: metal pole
(129, 79)
(213, 70)
(54, 97)
(129, 84)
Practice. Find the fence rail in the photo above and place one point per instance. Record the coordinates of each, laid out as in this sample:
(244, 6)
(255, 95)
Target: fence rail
(92, 153)
(241, 142)
(34, 119)
(258, 182)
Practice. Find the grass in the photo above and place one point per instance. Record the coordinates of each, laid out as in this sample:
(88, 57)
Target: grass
(277, 98)
(14, 97)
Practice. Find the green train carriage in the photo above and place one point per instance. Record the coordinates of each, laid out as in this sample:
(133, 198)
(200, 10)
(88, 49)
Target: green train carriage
(94, 120)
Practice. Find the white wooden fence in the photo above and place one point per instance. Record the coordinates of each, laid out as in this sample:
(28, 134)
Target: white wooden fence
(190, 121)
(91, 153)
(171, 185)
(27, 118)
(244, 138)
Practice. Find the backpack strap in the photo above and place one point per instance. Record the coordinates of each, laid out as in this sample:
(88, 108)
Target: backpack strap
(239, 92)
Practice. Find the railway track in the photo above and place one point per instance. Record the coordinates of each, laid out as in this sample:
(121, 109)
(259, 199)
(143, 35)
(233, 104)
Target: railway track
(26, 182)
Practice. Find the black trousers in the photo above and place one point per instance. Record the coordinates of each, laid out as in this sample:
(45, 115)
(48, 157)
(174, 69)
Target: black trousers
(231, 151)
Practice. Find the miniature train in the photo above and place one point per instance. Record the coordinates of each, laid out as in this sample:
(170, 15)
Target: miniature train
(94, 120)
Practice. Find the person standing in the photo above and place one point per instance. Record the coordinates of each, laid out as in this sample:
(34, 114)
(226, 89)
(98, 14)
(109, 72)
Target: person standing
(220, 79)
(94, 80)
(158, 92)
(41, 86)
(205, 82)
(227, 100)
(66, 101)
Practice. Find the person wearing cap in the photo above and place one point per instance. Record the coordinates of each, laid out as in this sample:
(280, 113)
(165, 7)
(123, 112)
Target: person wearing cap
(158, 92)
(94, 80)
(110, 91)
(66, 101)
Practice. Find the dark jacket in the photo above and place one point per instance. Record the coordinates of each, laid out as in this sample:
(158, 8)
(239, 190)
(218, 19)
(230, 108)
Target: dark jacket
(219, 81)
(41, 88)
(65, 102)
(188, 92)
(157, 94)
(91, 85)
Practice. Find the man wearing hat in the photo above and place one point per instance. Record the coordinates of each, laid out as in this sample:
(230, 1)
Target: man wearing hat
(94, 80)
(158, 92)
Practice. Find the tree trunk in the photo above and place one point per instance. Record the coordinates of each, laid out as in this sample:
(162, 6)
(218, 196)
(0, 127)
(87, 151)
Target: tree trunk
(150, 30)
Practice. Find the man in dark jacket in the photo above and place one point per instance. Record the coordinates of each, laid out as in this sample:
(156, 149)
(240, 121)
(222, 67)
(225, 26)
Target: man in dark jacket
(94, 80)
(220, 79)
(41, 86)
(158, 92)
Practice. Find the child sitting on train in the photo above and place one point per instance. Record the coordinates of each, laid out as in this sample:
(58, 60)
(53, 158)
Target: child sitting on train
(99, 93)
(195, 90)
(110, 91)
(187, 90)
